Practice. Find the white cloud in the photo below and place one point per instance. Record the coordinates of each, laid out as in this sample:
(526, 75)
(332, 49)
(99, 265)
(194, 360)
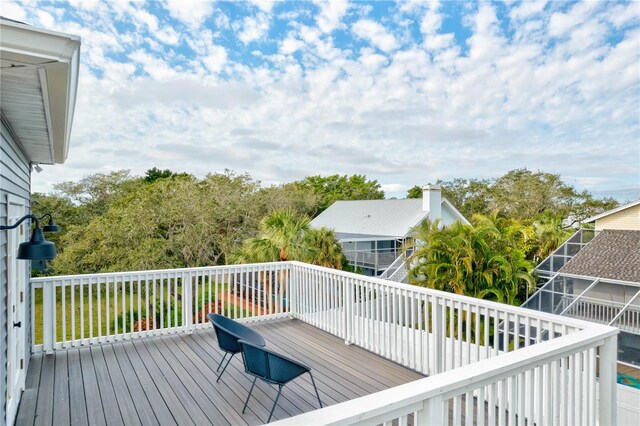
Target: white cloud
(432, 19)
(90, 5)
(146, 18)
(216, 59)
(393, 187)
(376, 34)
(404, 110)
(527, 9)
(560, 22)
(264, 5)
(168, 35)
(331, 14)
(254, 28)
(13, 10)
(192, 13)
(290, 45)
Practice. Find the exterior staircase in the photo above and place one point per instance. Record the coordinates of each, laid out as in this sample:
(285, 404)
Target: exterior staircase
(398, 271)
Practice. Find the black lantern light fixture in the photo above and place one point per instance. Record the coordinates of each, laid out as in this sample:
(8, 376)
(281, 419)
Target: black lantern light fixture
(50, 227)
(37, 248)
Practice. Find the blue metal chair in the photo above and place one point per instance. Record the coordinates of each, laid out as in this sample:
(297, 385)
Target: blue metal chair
(272, 368)
(228, 333)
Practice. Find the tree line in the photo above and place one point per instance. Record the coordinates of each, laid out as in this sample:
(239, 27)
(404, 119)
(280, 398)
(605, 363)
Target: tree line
(119, 222)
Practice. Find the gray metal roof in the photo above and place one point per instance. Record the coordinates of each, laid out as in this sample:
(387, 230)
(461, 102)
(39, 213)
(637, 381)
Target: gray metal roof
(611, 254)
(383, 218)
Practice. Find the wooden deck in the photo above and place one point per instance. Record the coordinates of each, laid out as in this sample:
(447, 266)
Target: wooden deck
(171, 380)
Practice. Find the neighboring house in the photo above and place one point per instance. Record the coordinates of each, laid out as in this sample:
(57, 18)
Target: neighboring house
(372, 232)
(597, 279)
(624, 217)
(39, 78)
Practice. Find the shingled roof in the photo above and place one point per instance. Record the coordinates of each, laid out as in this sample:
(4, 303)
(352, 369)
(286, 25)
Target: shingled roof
(611, 254)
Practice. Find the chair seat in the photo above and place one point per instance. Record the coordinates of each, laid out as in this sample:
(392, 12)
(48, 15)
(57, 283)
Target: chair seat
(273, 368)
(228, 333)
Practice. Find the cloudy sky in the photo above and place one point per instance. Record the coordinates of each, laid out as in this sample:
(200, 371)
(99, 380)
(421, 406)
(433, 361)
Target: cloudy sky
(406, 93)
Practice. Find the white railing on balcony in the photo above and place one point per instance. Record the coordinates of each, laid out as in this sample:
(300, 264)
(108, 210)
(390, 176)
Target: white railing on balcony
(80, 310)
(513, 363)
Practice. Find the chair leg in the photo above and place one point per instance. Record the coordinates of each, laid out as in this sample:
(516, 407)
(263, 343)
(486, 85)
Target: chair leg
(249, 396)
(225, 367)
(316, 389)
(275, 403)
(222, 360)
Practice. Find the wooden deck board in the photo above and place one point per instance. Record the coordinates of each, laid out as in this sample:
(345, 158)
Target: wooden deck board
(95, 411)
(30, 395)
(77, 402)
(123, 397)
(61, 390)
(44, 409)
(172, 380)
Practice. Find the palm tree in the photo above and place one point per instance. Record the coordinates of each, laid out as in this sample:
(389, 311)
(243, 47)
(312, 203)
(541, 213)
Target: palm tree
(285, 235)
(479, 261)
(326, 250)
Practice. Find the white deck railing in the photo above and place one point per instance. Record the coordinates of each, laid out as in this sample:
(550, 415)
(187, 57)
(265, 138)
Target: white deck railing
(78, 310)
(524, 364)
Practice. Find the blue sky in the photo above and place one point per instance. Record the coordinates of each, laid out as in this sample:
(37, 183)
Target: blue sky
(406, 93)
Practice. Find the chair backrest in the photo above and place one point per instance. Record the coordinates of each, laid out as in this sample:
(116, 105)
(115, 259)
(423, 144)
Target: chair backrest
(269, 365)
(229, 332)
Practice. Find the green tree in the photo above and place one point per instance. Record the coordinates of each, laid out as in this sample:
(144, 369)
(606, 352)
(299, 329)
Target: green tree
(155, 173)
(171, 222)
(524, 195)
(285, 235)
(332, 188)
(415, 192)
(480, 260)
(325, 248)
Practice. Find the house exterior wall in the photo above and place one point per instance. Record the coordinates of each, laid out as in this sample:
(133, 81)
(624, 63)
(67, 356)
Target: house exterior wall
(447, 216)
(15, 180)
(627, 219)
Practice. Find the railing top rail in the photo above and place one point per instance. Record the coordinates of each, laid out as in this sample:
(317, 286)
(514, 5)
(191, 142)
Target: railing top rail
(152, 271)
(456, 381)
(516, 310)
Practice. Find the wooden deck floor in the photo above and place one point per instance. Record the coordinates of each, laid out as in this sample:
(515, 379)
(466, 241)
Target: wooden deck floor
(171, 380)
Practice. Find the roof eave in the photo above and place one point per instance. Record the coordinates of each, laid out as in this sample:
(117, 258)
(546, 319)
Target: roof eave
(58, 55)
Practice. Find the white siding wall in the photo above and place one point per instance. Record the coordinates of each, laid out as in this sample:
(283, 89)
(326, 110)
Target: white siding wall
(448, 217)
(15, 180)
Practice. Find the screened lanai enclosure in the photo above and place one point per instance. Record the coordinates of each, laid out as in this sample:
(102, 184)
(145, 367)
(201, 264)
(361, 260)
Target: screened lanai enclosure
(563, 254)
(605, 301)
(371, 254)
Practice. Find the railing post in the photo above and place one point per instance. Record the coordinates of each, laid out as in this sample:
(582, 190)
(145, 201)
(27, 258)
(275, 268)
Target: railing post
(432, 413)
(291, 287)
(187, 302)
(608, 380)
(347, 310)
(439, 333)
(48, 316)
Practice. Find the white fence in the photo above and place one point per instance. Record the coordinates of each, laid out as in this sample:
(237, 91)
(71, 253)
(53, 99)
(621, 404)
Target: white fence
(493, 362)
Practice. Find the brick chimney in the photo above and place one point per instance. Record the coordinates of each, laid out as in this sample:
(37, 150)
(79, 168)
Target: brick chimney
(432, 201)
